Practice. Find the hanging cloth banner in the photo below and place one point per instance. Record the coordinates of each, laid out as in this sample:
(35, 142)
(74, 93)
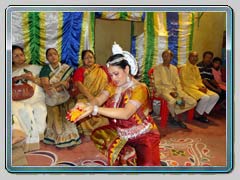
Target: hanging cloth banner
(72, 32)
(129, 16)
(163, 30)
(68, 32)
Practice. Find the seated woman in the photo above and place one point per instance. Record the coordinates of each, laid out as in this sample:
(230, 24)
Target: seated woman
(131, 138)
(54, 77)
(31, 113)
(217, 73)
(90, 79)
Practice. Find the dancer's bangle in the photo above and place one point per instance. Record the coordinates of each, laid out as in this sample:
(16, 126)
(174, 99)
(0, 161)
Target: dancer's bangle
(95, 110)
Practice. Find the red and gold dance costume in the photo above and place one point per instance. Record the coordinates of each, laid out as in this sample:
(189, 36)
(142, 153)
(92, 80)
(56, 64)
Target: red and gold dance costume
(132, 142)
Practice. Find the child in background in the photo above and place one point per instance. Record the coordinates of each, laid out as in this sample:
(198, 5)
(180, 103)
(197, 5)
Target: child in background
(217, 73)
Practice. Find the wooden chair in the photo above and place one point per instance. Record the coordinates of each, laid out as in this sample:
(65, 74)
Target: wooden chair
(164, 112)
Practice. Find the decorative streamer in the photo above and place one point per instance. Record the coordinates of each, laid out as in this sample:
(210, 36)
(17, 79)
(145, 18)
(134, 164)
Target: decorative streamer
(17, 30)
(180, 41)
(149, 35)
(72, 32)
(133, 46)
(38, 31)
(34, 36)
(26, 37)
(173, 28)
(53, 31)
(110, 15)
(123, 16)
(129, 16)
(183, 37)
(162, 35)
(191, 34)
(71, 37)
(60, 32)
(139, 49)
(83, 36)
(91, 31)
(42, 38)
(87, 34)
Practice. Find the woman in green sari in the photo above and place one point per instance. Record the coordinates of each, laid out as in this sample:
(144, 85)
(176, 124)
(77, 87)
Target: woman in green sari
(55, 77)
(91, 79)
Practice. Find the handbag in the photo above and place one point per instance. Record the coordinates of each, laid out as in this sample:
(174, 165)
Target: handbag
(21, 90)
(57, 97)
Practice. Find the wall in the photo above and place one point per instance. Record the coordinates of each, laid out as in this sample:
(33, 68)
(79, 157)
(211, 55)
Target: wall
(108, 31)
(207, 36)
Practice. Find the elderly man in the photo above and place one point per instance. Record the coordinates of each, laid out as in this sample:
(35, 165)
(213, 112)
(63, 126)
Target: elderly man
(193, 85)
(168, 86)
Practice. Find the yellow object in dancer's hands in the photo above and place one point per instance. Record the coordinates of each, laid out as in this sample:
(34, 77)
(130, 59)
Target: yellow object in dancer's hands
(75, 113)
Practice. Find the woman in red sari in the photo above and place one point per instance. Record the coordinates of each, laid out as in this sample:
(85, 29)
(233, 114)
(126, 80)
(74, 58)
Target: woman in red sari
(131, 138)
(90, 79)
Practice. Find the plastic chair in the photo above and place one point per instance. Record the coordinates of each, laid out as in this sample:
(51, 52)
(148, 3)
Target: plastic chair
(164, 112)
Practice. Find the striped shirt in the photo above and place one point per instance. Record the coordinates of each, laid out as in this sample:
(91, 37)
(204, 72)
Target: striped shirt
(205, 71)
